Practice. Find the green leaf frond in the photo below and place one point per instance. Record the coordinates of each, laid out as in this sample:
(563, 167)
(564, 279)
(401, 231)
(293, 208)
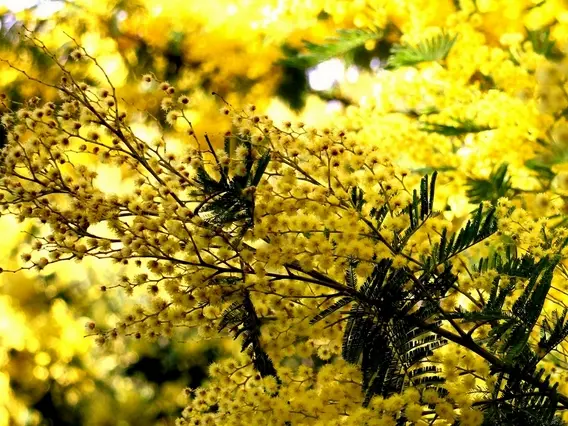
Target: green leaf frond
(419, 210)
(429, 50)
(242, 319)
(481, 226)
(519, 403)
(343, 44)
(497, 185)
(391, 350)
(512, 328)
(543, 44)
(230, 200)
(460, 128)
(508, 263)
(541, 167)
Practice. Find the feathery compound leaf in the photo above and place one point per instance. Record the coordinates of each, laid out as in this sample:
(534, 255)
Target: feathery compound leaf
(528, 307)
(462, 127)
(497, 185)
(379, 214)
(331, 309)
(432, 49)
(225, 199)
(481, 226)
(420, 209)
(543, 44)
(356, 334)
(234, 314)
(521, 403)
(242, 318)
(499, 294)
(391, 351)
(261, 166)
(391, 356)
(377, 277)
(345, 42)
(542, 167)
(511, 330)
(508, 264)
(208, 183)
(424, 201)
(357, 198)
(381, 372)
(351, 274)
(553, 332)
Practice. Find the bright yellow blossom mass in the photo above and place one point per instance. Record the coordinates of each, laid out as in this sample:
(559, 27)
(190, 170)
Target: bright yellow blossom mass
(369, 196)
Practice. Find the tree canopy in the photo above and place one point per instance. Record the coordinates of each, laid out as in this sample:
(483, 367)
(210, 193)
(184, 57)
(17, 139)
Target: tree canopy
(332, 213)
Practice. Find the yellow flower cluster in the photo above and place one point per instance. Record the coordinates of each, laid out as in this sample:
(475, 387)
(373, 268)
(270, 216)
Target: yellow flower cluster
(271, 221)
(44, 354)
(494, 76)
(277, 216)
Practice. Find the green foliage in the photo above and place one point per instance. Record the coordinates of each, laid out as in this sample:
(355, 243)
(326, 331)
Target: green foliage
(426, 201)
(482, 225)
(532, 398)
(390, 326)
(344, 301)
(382, 332)
(357, 198)
(242, 319)
(511, 337)
(551, 154)
(391, 350)
(507, 264)
(293, 84)
(553, 331)
(419, 210)
(543, 44)
(230, 200)
(343, 45)
(497, 185)
(351, 282)
(542, 169)
(462, 127)
(429, 50)
(519, 403)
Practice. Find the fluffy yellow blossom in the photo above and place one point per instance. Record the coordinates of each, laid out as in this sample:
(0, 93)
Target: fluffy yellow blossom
(318, 247)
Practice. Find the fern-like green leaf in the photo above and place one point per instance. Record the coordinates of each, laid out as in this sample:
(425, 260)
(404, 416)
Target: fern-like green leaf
(351, 274)
(420, 209)
(553, 332)
(480, 227)
(357, 198)
(511, 329)
(432, 49)
(497, 185)
(528, 307)
(343, 44)
(344, 301)
(508, 263)
(261, 166)
(542, 168)
(243, 320)
(461, 127)
(520, 403)
(390, 350)
(225, 201)
(543, 44)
